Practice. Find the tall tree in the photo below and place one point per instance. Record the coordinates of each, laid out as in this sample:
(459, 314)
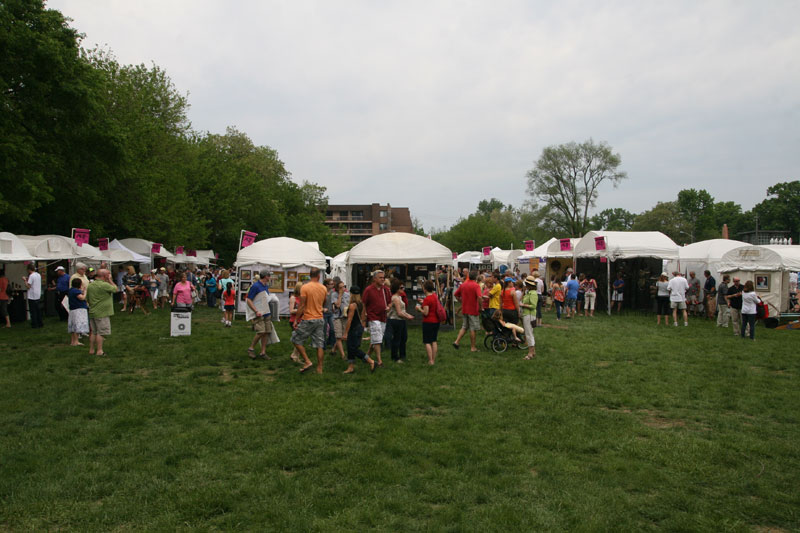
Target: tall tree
(664, 217)
(781, 209)
(616, 219)
(566, 179)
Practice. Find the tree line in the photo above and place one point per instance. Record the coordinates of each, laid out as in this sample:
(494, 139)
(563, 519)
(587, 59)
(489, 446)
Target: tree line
(563, 189)
(87, 142)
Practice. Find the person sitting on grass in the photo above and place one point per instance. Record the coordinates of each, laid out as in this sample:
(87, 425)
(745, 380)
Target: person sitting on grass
(353, 331)
(513, 328)
(78, 319)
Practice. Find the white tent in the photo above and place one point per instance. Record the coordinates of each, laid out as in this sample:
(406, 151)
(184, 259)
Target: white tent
(397, 249)
(118, 253)
(13, 249)
(286, 257)
(703, 255)
(58, 247)
(143, 247)
(339, 266)
(473, 258)
(206, 257)
(767, 267)
(504, 257)
(627, 245)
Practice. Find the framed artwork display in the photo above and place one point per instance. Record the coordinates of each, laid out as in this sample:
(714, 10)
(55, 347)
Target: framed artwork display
(246, 275)
(305, 276)
(276, 282)
(291, 284)
(246, 286)
(243, 297)
(291, 275)
(762, 282)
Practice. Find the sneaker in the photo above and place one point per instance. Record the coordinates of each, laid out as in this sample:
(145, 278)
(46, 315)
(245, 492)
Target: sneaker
(685, 323)
(676, 324)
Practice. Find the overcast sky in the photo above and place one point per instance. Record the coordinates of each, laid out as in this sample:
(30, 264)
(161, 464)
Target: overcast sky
(436, 105)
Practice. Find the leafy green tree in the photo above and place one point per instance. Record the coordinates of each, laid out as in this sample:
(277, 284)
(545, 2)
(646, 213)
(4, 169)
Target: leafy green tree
(475, 232)
(781, 209)
(566, 179)
(696, 209)
(487, 207)
(615, 219)
(664, 217)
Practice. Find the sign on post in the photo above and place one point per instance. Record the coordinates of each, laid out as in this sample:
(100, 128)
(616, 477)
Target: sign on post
(102, 244)
(81, 236)
(529, 246)
(248, 238)
(156, 248)
(179, 250)
(566, 245)
(599, 243)
(487, 251)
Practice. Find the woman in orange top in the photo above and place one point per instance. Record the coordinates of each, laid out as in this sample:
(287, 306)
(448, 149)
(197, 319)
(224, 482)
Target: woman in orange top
(509, 302)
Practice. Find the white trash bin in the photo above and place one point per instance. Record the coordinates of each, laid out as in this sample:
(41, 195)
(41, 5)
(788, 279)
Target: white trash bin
(180, 322)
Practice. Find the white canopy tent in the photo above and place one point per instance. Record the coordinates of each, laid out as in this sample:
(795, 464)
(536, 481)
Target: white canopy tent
(473, 258)
(58, 247)
(144, 247)
(282, 255)
(504, 257)
(540, 253)
(768, 267)
(627, 245)
(13, 249)
(119, 253)
(339, 266)
(701, 256)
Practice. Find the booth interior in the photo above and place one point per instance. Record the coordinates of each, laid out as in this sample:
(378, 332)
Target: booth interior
(412, 276)
(639, 273)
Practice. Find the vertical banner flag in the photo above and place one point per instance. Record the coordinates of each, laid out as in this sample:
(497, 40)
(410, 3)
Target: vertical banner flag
(566, 245)
(102, 244)
(81, 236)
(603, 260)
(455, 255)
(529, 246)
(191, 253)
(179, 250)
(248, 238)
(156, 248)
(216, 256)
(599, 243)
(487, 250)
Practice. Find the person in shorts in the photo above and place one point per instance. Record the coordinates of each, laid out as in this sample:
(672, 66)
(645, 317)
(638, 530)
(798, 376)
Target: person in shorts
(619, 292)
(469, 293)
(312, 323)
(678, 286)
(258, 303)
(376, 299)
(100, 297)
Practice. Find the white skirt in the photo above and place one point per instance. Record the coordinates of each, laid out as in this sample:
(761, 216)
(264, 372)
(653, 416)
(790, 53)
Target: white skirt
(78, 321)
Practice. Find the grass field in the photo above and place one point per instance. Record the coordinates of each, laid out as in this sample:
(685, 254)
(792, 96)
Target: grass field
(616, 426)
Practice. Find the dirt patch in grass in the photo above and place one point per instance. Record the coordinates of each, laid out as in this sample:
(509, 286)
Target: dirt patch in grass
(424, 412)
(769, 529)
(226, 376)
(603, 364)
(660, 422)
(144, 372)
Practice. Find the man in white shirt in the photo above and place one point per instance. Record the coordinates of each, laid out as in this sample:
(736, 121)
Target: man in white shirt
(677, 297)
(34, 283)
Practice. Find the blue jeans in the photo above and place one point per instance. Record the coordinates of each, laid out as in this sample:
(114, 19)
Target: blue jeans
(749, 320)
(354, 350)
(558, 308)
(399, 337)
(211, 298)
(330, 334)
(36, 313)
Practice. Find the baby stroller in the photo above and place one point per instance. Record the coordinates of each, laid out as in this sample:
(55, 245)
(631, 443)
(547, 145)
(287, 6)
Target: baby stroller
(499, 338)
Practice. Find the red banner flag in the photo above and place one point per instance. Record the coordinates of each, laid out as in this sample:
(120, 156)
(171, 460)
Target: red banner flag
(179, 250)
(566, 245)
(455, 255)
(248, 238)
(529, 246)
(191, 253)
(156, 248)
(603, 260)
(102, 244)
(81, 236)
(487, 250)
(599, 243)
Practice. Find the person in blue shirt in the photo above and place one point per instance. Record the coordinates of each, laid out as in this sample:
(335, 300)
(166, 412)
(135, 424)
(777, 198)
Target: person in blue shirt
(62, 286)
(619, 290)
(572, 295)
(78, 323)
(211, 289)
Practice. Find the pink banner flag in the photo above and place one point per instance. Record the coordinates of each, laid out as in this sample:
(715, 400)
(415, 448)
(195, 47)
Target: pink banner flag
(156, 248)
(81, 236)
(179, 250)
(102, 244)
(248, 238)
(487, 251)
(455, 255)
(529, 246)
(566, 245)
(599, 243)
(603, 260)
(216, 256)
(191, 253)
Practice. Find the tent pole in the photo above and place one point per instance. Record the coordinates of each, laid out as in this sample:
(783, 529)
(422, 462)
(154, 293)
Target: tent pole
(608, 285)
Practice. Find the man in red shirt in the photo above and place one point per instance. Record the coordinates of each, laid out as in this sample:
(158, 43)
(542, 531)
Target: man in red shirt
(376, 299)
(470, 295)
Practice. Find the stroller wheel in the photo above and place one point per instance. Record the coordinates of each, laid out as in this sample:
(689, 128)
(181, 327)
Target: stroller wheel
(487, 341)
(499, 345)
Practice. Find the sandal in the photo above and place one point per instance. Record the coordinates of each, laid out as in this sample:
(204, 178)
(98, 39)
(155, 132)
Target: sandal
(306, 369)
(251, 353)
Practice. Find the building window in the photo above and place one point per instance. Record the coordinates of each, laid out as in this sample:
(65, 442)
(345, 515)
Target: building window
(384, 226)
(383, 214)
(357, 215)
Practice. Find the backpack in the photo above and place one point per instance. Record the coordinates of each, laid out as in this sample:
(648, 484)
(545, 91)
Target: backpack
(761, 309)
(441, 314)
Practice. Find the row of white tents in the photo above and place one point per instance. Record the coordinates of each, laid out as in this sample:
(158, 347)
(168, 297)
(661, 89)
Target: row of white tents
(15, 248)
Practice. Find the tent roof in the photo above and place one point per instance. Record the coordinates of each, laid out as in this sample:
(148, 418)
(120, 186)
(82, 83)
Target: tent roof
(56, 247)
(283, 252)
(399, 248)
(628, 244)
(469, 257)
(12, 249)
(771, 257)
(554, 248)
(505, 257)
(143, 247)
(119, 253)
(710, 250)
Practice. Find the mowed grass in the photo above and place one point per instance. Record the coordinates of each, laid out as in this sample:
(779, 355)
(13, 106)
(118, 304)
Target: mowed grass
(616, 425)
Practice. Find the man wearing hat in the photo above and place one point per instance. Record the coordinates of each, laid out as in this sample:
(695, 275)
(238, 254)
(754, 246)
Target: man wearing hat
(163, 287)
(62, 286)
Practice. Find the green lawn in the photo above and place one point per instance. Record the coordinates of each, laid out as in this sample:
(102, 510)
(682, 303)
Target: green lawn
(616, 425)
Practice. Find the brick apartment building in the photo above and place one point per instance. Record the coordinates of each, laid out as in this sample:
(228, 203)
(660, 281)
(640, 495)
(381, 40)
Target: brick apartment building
(360, 222)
